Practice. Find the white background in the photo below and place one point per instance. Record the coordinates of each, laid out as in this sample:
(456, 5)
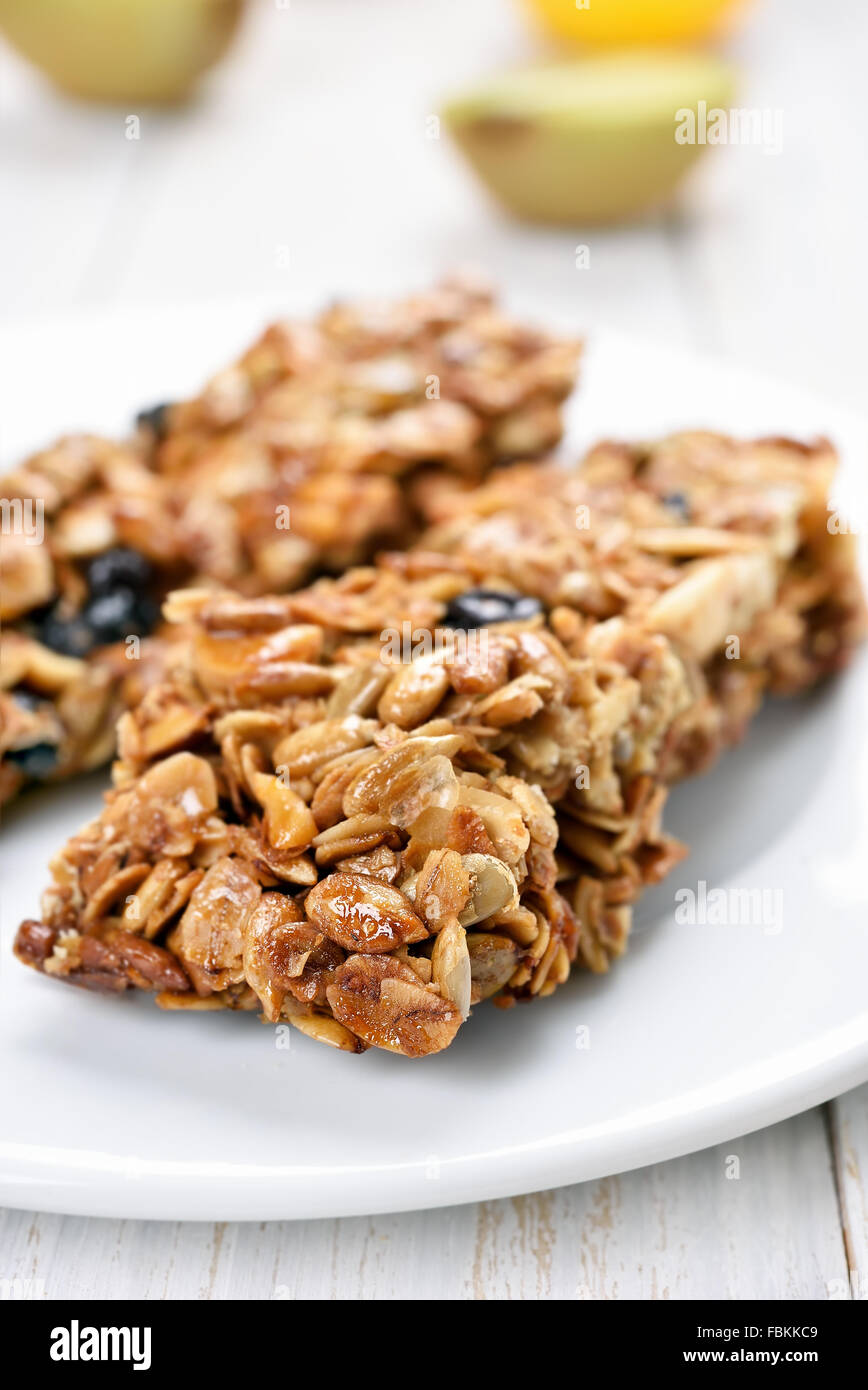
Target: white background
(309, 146)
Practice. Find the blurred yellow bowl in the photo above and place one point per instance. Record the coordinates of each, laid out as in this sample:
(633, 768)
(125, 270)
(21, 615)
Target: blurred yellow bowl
(604, 23)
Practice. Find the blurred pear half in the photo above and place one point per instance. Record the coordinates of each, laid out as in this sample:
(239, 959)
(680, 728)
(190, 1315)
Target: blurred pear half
(121, 50)
(592, 140)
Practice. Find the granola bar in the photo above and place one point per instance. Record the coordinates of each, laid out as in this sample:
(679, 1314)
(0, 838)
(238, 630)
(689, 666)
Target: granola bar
(291, 462)
(326, 419)
(700, 536)
(367, 806)
(89, 552)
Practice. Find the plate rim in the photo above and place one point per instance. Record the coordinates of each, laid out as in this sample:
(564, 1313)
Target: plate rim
(113, 1186)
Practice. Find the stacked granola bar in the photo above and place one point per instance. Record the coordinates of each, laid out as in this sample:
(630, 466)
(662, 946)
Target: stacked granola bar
(291, 462)
(369, 805)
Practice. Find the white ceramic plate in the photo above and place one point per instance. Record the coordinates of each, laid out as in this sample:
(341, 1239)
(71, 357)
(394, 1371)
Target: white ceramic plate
(702, 1033)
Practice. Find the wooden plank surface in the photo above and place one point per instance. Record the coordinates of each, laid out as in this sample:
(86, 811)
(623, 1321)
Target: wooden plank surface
(294, 147)
(848, 1132)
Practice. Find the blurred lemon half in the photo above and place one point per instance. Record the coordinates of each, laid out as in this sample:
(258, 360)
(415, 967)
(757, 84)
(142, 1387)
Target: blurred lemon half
(611, 22)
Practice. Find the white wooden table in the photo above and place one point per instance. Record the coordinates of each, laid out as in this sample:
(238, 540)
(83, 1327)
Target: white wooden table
(311, 145)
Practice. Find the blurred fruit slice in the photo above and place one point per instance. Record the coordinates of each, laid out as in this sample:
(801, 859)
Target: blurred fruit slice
(604, 23)
(587, 141)
(121, 50)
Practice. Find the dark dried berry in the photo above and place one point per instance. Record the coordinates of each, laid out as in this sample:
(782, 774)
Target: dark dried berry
(677, 502)
(119, 614)
(155, 419)
(147, 615)
(483, 607)
(38, 760)
(69, 635)
(120, 567)
(27, 699)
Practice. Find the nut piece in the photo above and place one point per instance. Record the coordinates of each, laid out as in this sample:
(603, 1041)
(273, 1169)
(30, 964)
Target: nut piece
(289, 823)
(326, 1030)
(536, 810)
(209, 938)
(271, 955)
(493, 958)
(382, 1001)
(414, 693)
(155, 964)
(358, 692)
(419, 788)
(492, 888)
(442, 887)
(112, 963)
(450, 966)
(305, 750)
(285, 956)
(164, 891)
(165, 811)
(714, 598)
(368, 787)
(502, 820)
(362, 913)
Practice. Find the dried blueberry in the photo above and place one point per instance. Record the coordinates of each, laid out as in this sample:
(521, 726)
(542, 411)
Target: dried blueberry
(119, 614)
(147, 615)
(120, 567)
(483, 607)
(38, 760)
(27, 699)
(155, 419)
(71, 635)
